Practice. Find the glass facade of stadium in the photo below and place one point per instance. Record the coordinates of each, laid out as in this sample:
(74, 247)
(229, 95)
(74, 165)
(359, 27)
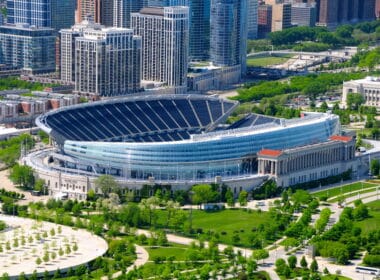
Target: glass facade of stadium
(206, 157)
(172, 138)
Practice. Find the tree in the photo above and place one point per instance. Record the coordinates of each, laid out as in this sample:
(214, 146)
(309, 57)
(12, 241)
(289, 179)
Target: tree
(375, 167)
(148, 207)
(360, 212)
(22, 175)
(60, 252)
(75, 247)
(280, 265)
(314, 266)
(203, 194)
(303, 262)
(243, 195)
(292, 261)
(324, 107)
(260, 254)
(38, 261)
(107, 184)
(230, 198)
(39, 185)
(354, 100)
(46, 258)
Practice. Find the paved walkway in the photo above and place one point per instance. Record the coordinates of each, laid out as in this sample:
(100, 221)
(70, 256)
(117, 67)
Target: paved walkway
(142, 258)
(7, 184)
(23, 258)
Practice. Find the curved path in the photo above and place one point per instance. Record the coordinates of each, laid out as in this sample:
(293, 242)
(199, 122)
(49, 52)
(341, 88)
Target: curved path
(142, 258)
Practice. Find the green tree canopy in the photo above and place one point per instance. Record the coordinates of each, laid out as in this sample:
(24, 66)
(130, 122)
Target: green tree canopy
(107, 184)
(203, 194)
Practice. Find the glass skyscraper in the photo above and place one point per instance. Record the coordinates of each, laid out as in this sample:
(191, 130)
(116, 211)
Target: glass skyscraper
(28, 48)
(229, 33)
(199, 48)
(56, 14)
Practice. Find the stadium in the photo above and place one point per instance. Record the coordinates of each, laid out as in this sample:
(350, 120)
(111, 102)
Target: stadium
(180, 140)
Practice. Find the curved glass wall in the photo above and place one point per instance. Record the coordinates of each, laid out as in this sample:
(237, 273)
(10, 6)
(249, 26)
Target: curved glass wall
(204, 157)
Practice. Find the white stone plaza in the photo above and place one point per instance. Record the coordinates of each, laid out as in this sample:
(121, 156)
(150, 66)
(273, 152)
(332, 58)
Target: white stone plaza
(27, 245)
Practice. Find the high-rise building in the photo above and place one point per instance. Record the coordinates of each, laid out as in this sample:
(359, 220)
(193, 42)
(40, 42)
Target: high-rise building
(67, 47)
(377, 8)
(166, 3)
(122, 10)
(56, 14)
(367, 10)
(304, 14)
(165, 41)
(281, 14)
(335, 12)
(107, 12)
(199, 43)
(102, 11)
(199, 25)
(252, 18)
(264, 20)
(107, 60)
(229, 33)
(29, 48)
(88, 8)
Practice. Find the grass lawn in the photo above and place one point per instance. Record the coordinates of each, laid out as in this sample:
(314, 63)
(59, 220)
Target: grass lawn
(179, 253)
(226, 223)
(230, 222)
(354, 194)
(267, 60)
(342, 190)
(332, 277)
(372, 223)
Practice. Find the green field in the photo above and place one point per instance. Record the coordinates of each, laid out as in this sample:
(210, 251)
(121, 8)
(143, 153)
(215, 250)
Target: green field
(176, 251)
(267, 60)
(344, 189)
(226, 224)
(333, 277)
(372, 223)
(362, 194)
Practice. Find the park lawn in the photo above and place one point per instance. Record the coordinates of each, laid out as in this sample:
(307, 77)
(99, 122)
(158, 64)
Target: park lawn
(344, 189)
(353, 194)
(230, 222)
(372, 223)
(178, 252)
(333, 277)
(226, 223)
(267, 60)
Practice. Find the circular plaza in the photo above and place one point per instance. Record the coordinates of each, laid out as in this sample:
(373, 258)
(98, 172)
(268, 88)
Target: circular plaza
(28, 246)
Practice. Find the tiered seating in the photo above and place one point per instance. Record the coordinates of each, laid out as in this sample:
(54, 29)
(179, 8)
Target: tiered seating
(161, 119)
(216, 110)
(184, 107)
(201, 108)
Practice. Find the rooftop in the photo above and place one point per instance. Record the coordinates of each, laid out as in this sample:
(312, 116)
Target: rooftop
(269, 153)
(154, 11)
(341, 138)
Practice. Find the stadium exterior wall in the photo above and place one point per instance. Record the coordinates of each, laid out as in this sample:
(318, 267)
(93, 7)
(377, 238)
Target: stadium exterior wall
(76, 186)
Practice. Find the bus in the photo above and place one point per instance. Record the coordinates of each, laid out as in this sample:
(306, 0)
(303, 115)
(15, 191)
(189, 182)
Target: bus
(368, 270)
